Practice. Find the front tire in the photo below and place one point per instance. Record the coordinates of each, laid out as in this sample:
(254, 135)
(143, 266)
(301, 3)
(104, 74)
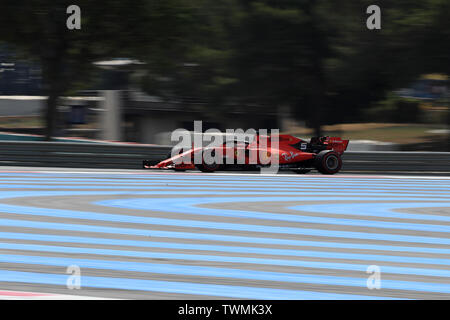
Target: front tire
(328, 162)
(208, 168)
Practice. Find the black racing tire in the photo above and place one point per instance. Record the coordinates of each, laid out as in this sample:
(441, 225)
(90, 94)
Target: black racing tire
(208, 168)
(328, 162)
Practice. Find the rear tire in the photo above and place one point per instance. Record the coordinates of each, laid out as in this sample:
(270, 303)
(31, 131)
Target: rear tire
(328, 162)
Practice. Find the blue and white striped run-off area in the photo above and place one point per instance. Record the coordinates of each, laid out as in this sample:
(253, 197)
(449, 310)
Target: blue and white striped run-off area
(158, 235)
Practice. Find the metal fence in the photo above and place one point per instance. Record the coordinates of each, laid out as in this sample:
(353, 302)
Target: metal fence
(90, 155)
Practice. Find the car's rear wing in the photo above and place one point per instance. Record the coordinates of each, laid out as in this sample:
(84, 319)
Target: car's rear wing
(332, 143)
(337, 144)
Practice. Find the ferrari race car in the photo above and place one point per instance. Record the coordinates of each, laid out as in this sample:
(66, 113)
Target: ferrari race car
(293, 154)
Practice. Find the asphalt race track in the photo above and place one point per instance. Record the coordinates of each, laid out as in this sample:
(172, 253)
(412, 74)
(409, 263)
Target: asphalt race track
(162, 235)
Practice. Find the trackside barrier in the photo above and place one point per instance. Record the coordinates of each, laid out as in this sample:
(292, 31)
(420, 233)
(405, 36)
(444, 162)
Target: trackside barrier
(89, 155)
(389, 161)
(78, 155)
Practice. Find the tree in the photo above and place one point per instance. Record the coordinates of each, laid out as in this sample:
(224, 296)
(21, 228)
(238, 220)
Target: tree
(413, 40)
(197, 68)
(38, 29)
(316, 56)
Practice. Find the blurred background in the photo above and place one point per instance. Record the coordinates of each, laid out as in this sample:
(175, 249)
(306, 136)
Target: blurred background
(138, 70)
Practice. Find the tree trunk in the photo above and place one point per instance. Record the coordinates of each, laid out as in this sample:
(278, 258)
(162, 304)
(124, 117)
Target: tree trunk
(55, 88)
(318, 45)
(316, 116)
(50, 116)
(53, 60)
(319, 98)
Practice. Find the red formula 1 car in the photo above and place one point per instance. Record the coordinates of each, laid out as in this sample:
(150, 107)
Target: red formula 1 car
(294, 154)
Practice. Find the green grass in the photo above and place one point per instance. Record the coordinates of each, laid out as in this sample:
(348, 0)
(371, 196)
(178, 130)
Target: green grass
(21, 122)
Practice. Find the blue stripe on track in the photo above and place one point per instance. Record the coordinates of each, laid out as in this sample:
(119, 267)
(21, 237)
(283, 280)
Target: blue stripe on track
(241, 292)
(185, 206)
(228, 248)
(190, 206)
(224, 259)
(214, 225)
(409, 193)
(200, 271)
(230, 226)
(243, 183)
(380, 209)
(285, 252)
(259, 177)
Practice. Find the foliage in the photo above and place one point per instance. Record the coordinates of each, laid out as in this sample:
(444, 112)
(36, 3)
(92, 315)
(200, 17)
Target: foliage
(316, 56)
